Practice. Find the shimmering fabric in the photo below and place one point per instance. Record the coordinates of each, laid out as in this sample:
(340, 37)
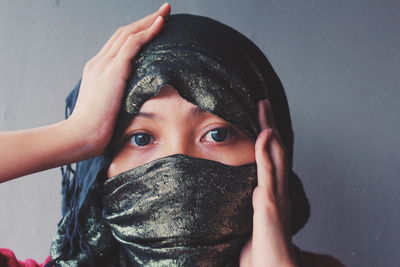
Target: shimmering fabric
(173, 211)
(181, 211)
(222, 71)
(199, 78)
(219, 69)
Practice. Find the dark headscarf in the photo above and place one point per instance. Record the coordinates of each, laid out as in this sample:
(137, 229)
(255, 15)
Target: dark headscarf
(209, 64)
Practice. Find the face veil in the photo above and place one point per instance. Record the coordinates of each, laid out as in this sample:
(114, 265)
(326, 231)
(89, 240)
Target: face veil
(209, 64)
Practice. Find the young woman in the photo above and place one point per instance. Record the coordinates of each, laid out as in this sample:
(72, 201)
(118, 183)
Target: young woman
(182, 160)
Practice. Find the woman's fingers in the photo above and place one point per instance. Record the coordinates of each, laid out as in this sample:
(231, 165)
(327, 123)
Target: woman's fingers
(278, 156)
(134, 41)
(147, 21)
(104, 81)
(266, 117)
(277, 150)
(263, 117)
(270, 240)
(164, 11)
(265, 166)
(271, 165)
(110, 41)
(113, 48)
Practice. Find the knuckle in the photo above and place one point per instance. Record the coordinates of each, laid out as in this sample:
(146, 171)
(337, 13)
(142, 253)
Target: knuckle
(266, 164)
(131, 28)
(258, 147)
(136, 38)
(121, 29)
(140, 43)
(132, 37)
(281, 152)
(89, 64)
(270, 198)
(141, 38)
(268, 203)
(281, 148)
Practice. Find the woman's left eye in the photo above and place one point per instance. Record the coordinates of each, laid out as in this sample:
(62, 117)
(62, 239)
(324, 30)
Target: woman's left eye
(219, 134)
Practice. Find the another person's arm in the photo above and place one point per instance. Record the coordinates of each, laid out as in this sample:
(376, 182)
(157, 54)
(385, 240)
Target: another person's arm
(90, 127)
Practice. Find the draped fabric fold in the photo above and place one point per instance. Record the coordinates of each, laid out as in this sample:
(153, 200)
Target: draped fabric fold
(181, 211)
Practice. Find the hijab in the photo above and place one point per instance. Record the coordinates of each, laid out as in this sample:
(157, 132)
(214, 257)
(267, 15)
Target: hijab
(211, 65)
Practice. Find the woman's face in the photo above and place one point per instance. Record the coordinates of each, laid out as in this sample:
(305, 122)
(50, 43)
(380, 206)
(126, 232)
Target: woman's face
(168, 124)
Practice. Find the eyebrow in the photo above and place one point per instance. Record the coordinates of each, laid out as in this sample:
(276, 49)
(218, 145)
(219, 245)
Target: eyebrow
(194, 111)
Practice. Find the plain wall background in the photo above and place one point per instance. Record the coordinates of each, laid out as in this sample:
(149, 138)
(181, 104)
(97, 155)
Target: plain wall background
(339, 64)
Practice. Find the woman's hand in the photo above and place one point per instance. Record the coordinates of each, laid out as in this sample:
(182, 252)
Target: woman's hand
(104, 80)
(270, 243)
(90, 127)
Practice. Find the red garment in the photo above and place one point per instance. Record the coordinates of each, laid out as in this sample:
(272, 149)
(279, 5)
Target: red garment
(8, 259)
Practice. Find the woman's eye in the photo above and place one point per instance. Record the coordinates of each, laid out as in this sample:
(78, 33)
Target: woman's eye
(218, 134)
(140, 139)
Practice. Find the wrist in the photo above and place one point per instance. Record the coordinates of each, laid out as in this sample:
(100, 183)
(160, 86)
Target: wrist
(83, 142)
(283, 257)
(93, 134)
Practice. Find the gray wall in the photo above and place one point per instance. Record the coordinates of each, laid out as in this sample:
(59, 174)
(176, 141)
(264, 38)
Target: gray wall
(338, 61)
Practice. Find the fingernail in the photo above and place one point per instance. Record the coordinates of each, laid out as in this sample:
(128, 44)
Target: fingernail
(260, 104)
(157, 19)
(163, 5)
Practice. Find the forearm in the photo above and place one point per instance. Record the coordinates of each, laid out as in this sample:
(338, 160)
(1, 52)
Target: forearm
(90, 127)
(28, 151)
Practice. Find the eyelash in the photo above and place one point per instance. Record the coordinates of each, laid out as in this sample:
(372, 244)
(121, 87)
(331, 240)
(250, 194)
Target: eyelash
(230, 133)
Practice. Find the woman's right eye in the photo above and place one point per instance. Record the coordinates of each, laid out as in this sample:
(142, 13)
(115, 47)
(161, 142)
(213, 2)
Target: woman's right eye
(140, 139)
